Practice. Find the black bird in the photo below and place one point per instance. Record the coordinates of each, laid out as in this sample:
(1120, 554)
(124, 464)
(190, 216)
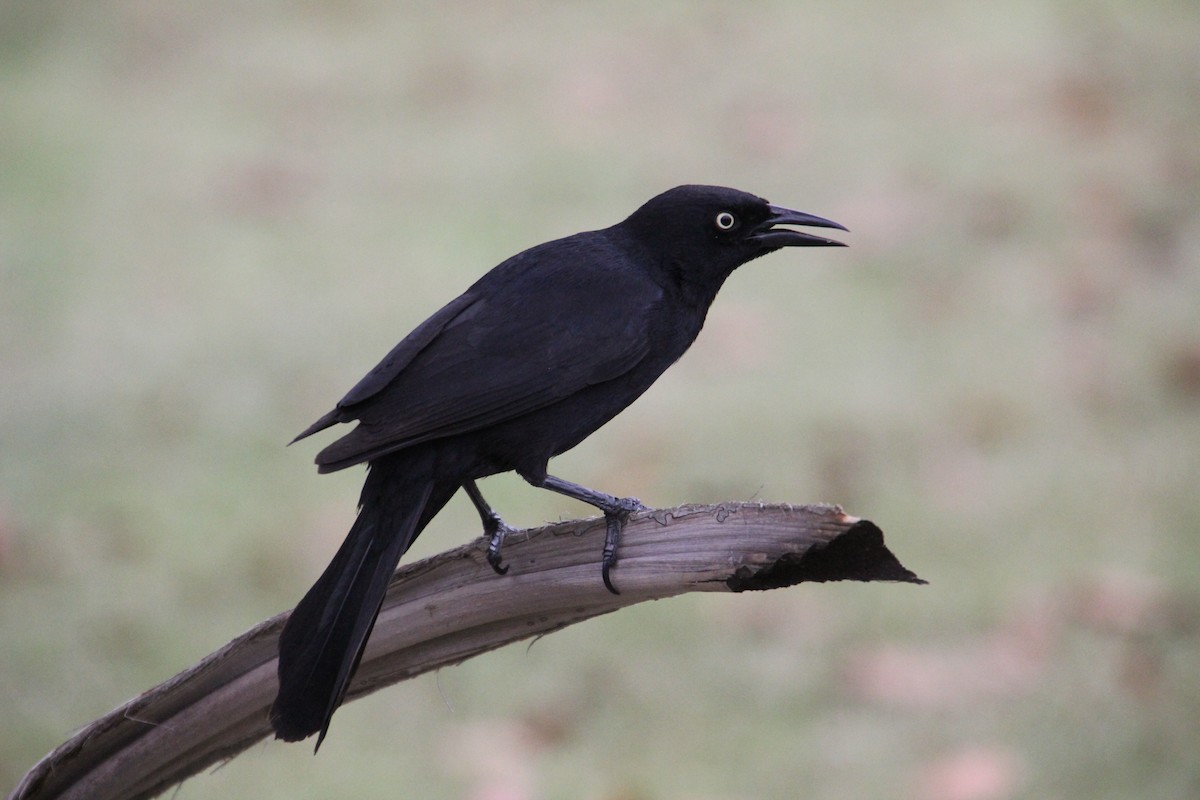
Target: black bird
(523, 366)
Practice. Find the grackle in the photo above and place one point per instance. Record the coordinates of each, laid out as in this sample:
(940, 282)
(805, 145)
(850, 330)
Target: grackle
(524, 365)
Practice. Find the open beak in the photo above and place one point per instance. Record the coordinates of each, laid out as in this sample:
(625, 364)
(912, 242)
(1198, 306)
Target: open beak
(770, 235)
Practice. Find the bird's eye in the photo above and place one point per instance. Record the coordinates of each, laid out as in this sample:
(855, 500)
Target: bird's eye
(725, 220)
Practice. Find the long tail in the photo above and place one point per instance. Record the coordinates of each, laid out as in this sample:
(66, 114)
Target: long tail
(324, 639)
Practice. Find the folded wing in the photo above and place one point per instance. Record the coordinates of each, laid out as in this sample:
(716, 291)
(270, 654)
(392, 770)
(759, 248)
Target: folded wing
(491, 355)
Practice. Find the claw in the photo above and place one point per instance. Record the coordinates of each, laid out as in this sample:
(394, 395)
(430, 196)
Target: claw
(612, 534)
(497, 563)
(607, 581)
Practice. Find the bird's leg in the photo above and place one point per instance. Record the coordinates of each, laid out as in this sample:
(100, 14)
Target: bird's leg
(616, 514)
(495, 528)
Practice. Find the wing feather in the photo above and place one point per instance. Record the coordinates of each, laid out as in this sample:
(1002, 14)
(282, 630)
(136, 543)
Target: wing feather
(515, 342)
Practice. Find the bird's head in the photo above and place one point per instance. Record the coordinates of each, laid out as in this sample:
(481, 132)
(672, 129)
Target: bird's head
(704, 233)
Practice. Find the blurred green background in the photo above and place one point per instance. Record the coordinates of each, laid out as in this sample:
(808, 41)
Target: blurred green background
(215, 217)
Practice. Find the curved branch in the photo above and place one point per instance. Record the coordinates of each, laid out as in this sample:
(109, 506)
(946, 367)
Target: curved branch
(450, 607)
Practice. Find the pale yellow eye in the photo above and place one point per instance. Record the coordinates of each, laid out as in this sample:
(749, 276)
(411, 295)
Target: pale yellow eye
(725, 220)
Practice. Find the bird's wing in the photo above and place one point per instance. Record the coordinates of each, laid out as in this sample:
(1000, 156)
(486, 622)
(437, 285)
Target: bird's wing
(509, 347)
(392, 364)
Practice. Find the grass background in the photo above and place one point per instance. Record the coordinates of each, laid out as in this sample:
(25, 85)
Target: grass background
(215, 217)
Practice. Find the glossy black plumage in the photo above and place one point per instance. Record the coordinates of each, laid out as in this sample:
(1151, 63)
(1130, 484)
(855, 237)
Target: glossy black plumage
(530, 360)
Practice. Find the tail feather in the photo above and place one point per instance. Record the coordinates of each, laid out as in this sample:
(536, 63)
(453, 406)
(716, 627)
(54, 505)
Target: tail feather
(324, 638)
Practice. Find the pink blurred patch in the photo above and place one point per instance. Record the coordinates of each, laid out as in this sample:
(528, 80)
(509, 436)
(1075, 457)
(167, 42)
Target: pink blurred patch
(975, 773)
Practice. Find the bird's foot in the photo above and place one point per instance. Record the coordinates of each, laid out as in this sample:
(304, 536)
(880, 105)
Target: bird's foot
(614, 523)
(493, 527)
(616, 514)
(497, 530)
